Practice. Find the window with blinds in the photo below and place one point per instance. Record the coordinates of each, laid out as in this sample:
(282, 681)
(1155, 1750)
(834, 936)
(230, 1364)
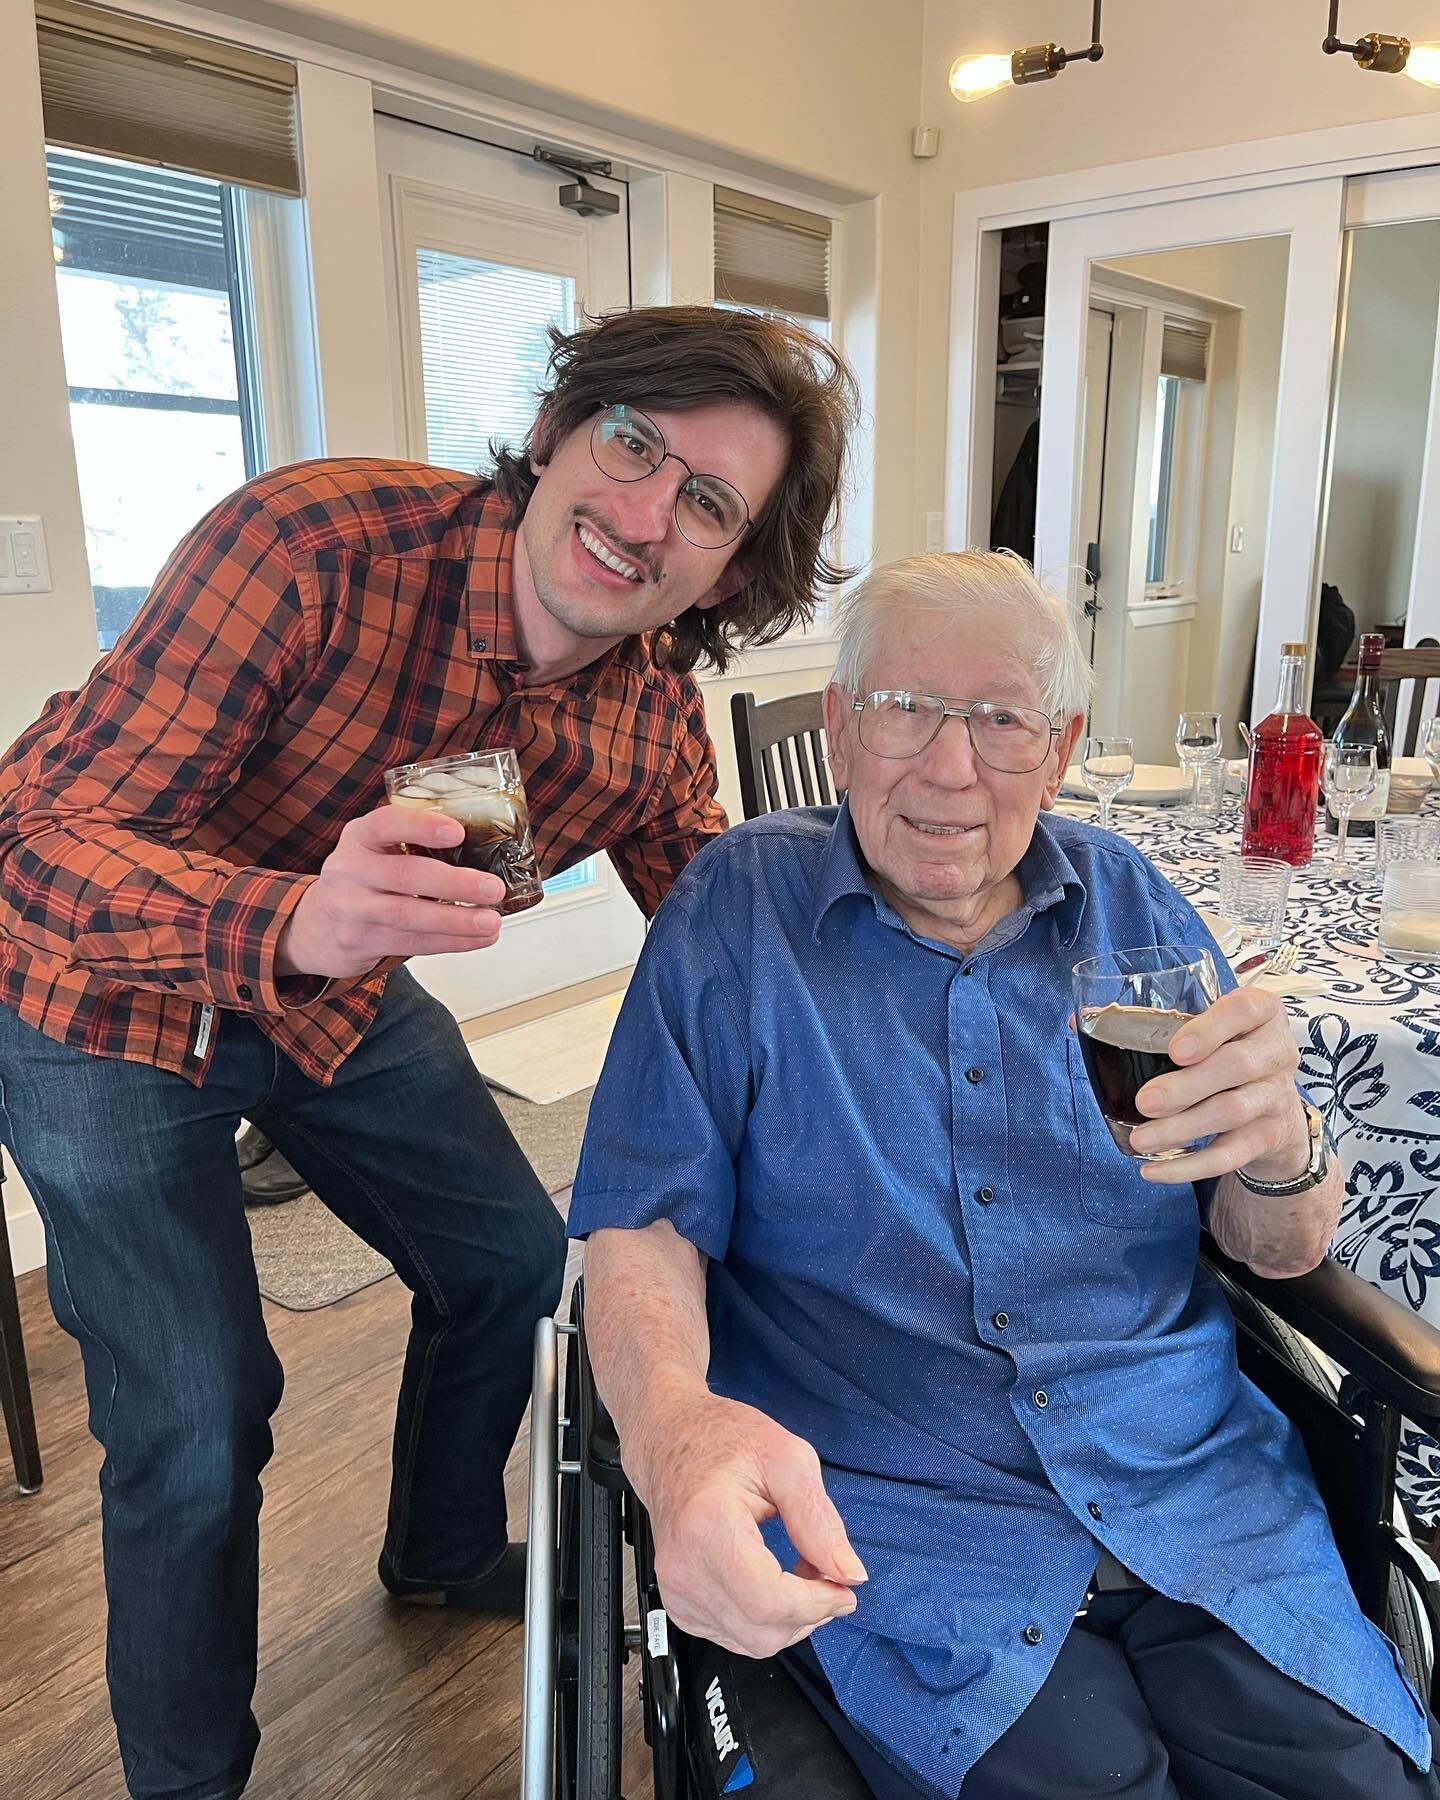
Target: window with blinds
(126, 87)
(484, 346)
(771, 258)
(1184, 348)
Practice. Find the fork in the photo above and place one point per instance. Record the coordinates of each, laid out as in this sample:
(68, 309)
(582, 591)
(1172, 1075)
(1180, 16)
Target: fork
(1279, 961)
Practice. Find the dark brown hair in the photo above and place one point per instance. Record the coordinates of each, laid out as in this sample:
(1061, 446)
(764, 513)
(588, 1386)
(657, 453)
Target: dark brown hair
(673, 357)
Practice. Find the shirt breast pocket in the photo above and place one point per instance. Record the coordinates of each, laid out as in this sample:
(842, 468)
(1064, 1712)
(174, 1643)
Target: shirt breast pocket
(1112, 1189)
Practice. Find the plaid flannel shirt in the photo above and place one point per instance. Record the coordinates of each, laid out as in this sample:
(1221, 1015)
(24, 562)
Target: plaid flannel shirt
(329, 620)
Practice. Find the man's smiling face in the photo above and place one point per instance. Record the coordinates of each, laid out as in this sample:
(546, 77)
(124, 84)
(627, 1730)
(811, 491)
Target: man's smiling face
(606, 558)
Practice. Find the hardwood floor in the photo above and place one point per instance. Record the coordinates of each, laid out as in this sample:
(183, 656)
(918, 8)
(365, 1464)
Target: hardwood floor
(357, 1696)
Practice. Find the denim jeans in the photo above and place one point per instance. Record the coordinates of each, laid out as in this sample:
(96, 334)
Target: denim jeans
(135, 1176)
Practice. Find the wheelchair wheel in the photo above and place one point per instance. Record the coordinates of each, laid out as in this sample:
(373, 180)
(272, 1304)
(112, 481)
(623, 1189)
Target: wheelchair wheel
(1407, 1629)
(602, 1650)
(590, 1624)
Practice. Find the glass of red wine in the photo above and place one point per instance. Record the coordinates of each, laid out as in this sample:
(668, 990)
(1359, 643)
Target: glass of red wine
(1128, 1006)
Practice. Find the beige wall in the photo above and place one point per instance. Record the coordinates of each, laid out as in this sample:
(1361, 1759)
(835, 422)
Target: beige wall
(1173, 78)
(1379, 443)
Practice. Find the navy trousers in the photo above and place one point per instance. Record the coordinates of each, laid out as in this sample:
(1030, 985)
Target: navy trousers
(1153, 1700)
(134, 1173)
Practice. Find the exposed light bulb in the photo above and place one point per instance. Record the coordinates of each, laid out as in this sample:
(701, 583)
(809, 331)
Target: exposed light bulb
(1423, 64)
(973, 77)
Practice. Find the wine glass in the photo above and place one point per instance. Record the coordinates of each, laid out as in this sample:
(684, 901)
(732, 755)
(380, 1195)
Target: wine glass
(1430, 745)
(1351, 772)
(1108, 765)
(1197, 739)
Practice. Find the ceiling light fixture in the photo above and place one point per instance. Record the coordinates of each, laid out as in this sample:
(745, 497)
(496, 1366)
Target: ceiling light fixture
(973, 77)
(1385, 55)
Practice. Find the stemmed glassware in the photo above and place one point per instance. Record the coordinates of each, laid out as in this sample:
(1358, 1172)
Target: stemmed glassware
(1430, 745)
(1197, 740)
(1350, 775)
(1108, 765)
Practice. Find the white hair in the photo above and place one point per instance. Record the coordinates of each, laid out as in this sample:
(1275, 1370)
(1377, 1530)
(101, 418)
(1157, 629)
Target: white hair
(968, 586)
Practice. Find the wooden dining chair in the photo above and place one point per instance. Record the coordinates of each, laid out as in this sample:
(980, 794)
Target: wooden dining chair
(780, 747)
(14, 1376)
(1420, 664)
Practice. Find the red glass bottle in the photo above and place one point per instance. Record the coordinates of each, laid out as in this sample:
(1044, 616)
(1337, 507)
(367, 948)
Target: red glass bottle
(1284, 781)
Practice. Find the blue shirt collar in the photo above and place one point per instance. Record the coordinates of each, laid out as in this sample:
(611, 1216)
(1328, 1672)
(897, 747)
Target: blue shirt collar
(1047, 877)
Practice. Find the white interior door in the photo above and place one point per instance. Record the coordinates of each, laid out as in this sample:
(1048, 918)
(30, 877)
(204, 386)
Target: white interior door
(1309, 214)
(482, 259)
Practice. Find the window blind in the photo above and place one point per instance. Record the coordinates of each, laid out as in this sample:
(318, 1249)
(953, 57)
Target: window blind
(128, 88)
(1183, 349)
(772, 257)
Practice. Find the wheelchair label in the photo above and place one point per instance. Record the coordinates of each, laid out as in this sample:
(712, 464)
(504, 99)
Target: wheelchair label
(657, 1635)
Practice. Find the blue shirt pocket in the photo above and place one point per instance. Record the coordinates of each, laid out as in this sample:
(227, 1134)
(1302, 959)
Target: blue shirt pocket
(1112, 1189)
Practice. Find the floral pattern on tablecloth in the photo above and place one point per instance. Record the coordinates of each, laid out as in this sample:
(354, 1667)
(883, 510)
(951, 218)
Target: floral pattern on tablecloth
(1370, 1060)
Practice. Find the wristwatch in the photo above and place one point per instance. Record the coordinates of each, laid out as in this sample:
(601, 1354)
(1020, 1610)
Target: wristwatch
(1315, 1172)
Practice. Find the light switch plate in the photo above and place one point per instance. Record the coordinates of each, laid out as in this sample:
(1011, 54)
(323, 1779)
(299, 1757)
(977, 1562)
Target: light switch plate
(934, 531)
(24, 564)
(1237, 539)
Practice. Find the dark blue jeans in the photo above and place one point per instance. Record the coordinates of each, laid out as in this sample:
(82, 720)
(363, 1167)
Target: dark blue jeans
(135, 1175)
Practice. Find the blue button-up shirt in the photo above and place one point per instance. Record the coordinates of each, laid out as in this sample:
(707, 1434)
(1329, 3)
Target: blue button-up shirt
(928, 1258)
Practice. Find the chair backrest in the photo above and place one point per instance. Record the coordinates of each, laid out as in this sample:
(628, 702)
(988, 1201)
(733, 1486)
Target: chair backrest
(780, 748)
(1419, 663)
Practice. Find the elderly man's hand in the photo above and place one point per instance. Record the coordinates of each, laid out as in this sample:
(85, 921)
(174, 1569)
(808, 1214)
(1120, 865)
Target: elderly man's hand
(707, 1481)
(1235, 1082)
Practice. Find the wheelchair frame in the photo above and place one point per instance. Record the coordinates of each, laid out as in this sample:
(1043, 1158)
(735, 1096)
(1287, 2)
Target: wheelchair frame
(1349, 1422)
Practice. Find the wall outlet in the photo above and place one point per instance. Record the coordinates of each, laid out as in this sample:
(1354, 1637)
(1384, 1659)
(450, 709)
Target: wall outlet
(1237, 539)
(24, 565)
(935, 531)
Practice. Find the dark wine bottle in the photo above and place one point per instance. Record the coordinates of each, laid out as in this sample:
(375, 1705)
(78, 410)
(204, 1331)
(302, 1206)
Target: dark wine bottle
(1364, 723)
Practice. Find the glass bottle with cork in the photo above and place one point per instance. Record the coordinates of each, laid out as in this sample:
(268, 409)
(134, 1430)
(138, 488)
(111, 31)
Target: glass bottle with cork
(1283, 785)
(1363, 723)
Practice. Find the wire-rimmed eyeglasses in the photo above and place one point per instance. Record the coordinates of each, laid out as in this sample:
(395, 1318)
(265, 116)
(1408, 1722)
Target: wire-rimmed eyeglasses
(1014, 740)
(627, 445)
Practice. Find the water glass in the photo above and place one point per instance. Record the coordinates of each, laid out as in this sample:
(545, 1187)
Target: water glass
(1209, 795)
(1197, 742)
(1410, 910)
(1253, 893)
(1108, 765)
(1407, 840)
(1350, 772)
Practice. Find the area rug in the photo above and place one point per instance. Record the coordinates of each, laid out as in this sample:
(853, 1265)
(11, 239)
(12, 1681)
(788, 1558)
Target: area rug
(306, 1258)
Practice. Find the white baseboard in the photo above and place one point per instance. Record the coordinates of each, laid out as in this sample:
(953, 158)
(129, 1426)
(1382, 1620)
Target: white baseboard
(27, 1234)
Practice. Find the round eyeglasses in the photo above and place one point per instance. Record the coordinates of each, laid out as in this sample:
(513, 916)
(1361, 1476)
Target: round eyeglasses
(628, 446)
(1013, 740)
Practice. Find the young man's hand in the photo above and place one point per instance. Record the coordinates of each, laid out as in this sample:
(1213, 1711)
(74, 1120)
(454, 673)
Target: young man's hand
(370, 901)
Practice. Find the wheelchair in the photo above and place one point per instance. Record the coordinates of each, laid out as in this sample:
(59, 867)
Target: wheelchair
(1343, 1361)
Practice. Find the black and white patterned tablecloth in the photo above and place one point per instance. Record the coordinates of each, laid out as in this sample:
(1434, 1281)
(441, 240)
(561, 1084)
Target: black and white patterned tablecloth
(1368, 1026)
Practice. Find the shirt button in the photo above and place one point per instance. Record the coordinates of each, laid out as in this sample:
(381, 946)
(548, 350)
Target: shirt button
(985, 1195)
(1033, 1635)
(244, 991)
(969, 969)
(974, 1075)
(1000, 1321)
(477, 645)
(1094, 1511)
(1042, 1399)
(165, 981)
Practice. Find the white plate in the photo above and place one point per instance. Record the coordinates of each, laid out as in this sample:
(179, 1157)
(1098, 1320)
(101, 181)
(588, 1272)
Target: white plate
(1415, 768)
(1155, 784)
(1226, 935)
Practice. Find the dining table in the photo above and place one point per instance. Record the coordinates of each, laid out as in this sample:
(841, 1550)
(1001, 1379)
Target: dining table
(1367, 1022)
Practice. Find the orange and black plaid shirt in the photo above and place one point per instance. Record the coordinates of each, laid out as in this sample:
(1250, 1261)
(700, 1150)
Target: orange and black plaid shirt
(326, 622)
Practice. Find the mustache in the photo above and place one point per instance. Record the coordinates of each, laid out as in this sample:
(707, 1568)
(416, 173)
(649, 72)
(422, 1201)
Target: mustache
(640, 554)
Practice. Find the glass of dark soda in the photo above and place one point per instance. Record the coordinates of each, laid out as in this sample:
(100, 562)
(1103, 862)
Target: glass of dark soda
(483, 792)
(1128, 1006)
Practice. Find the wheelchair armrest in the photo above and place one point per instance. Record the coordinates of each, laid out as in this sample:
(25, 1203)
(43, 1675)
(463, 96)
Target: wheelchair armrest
(1389, 1349)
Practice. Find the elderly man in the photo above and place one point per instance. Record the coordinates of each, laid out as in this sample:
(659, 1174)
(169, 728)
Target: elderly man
(899, 1344)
